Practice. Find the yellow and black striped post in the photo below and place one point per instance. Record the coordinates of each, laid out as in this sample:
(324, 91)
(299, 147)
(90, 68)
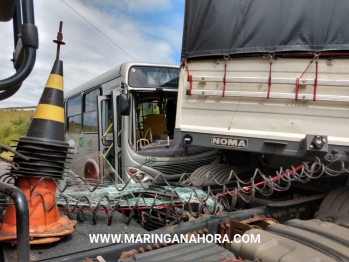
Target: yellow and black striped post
(47, 151)
(48, 120)
(44, 143)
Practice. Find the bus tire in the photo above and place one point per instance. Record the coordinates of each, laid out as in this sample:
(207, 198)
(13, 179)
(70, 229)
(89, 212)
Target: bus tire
(91, 170)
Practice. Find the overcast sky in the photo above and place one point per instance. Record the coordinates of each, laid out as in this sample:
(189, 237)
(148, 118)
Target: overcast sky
(147, 30)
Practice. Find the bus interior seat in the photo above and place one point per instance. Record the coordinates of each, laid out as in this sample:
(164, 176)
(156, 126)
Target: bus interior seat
(138, 134)
(156, 123)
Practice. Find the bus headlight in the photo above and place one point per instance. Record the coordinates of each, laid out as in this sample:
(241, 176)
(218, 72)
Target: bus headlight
(140, 176)
(137, 174)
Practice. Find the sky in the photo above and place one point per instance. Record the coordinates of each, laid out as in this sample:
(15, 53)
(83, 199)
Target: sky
(142, 31)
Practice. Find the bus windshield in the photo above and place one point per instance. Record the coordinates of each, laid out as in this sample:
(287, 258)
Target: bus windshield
(149, 76)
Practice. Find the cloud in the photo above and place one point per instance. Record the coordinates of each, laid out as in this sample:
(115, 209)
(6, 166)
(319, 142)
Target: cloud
(137, 6)
(148, 31)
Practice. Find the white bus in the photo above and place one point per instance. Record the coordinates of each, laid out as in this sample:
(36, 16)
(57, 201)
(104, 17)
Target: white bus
(128, 114)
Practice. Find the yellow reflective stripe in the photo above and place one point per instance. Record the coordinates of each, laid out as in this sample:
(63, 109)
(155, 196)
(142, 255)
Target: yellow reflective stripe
(49, 112)
(55, 81)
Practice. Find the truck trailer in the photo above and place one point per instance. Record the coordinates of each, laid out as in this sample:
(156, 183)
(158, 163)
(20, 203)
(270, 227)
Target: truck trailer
(266, 83)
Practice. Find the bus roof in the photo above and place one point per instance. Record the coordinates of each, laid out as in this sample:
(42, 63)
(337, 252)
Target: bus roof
(109, 75)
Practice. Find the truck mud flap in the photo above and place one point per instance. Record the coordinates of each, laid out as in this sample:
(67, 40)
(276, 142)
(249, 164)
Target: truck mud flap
(221, 173)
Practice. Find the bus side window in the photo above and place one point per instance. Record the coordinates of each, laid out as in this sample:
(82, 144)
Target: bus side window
(107, 121)
(119, 127)
(74, 115)
(90, 122)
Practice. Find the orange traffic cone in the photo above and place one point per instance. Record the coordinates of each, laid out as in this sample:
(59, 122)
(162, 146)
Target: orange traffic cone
(47, 152)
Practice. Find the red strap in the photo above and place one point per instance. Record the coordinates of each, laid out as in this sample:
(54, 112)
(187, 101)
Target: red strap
(190, 84)
(306, 69)
(315, 81)
(190, 79)
(297, 80)
(224, 79)
(297, 88)
(269, 82)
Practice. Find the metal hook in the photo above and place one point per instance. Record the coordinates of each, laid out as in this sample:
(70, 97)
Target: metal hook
(316, 56)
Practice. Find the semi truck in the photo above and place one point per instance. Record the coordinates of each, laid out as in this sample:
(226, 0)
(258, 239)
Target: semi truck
(266, 83)
(272, 85)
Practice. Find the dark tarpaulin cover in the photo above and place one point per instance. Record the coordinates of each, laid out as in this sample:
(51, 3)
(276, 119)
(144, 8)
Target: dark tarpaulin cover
(240, 27)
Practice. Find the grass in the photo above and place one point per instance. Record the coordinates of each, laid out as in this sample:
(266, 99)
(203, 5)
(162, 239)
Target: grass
(13, 124)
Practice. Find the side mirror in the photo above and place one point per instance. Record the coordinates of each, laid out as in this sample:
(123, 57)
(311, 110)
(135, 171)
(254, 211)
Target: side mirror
(123, 101)
(7, 10)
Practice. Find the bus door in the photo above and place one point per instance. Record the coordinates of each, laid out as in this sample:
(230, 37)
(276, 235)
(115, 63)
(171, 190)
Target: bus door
(117, 119)
(106, 132)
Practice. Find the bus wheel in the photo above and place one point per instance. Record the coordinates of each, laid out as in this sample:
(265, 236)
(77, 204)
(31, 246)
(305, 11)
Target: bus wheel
(91, 170)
